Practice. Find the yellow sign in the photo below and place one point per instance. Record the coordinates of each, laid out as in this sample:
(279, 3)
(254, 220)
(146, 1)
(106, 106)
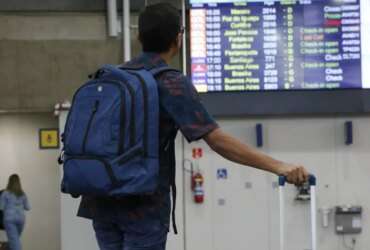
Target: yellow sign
(49, 138)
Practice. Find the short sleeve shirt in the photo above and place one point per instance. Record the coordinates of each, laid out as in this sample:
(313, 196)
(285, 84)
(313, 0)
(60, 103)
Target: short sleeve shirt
(180, 109)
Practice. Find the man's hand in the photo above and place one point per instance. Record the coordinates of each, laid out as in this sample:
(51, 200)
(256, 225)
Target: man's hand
(295, 174)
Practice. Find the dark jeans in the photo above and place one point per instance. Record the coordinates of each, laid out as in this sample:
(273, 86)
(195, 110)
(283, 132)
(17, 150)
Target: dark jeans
(125, 235)
(135, 226)
(137, 223)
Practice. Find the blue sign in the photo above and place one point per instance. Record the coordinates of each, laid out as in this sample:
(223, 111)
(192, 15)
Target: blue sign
(222, 173)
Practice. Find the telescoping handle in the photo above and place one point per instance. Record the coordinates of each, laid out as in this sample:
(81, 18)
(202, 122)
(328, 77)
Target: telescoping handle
(312, 182)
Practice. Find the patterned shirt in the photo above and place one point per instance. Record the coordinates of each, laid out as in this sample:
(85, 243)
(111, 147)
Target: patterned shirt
(180, 108)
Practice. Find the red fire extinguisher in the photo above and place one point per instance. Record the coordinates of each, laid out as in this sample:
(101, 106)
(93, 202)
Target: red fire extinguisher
(197, 186)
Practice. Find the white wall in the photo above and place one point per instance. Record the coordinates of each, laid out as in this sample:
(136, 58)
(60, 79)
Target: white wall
(249, 218)
(20, 153)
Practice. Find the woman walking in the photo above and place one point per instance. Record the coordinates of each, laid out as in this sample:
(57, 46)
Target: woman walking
(14, 203)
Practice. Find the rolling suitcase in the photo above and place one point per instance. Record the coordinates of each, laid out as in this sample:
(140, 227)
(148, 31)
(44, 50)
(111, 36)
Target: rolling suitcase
(312, 182)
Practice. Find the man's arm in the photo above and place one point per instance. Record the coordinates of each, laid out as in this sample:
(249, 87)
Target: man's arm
(238, 152)
(181, 101)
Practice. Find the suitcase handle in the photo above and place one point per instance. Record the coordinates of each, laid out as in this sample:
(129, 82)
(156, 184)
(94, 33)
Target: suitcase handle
(312, 182)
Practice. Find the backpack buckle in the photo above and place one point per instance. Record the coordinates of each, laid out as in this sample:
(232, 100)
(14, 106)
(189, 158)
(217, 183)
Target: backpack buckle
(61, 158)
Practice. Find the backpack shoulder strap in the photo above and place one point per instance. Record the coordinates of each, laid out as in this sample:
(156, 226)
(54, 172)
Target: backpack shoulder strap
(155, 71)
(159, 70)
(170, 143)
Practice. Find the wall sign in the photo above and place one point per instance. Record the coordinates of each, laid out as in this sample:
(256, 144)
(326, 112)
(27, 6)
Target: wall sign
(49, 138)
(197, 153)
(222, 173)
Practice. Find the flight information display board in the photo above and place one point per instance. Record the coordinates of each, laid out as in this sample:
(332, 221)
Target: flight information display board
(256, 45)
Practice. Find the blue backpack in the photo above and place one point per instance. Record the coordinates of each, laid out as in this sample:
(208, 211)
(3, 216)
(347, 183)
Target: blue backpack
(111, 137)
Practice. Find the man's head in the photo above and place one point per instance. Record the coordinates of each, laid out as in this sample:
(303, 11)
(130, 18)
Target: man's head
(160, 29)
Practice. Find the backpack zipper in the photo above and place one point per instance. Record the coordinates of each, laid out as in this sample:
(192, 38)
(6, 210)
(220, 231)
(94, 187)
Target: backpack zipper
(133, 154)
(93, 113)
(121, 144)
(93, 82)
(107, 166)
(123, 113)
(119, 84)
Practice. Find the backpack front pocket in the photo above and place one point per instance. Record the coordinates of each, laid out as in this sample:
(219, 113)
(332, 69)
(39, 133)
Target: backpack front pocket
(97, 108)
(88, 175)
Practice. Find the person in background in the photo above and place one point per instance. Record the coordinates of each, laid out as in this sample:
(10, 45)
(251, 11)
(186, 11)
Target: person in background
(14, 203)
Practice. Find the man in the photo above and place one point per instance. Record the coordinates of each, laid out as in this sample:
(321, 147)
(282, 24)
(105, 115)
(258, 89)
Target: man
(138, 223)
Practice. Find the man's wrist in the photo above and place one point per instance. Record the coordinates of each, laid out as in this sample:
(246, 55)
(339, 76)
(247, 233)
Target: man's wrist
(278, 168)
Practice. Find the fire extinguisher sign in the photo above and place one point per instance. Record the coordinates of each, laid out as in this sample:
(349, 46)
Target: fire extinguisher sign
(197, 153)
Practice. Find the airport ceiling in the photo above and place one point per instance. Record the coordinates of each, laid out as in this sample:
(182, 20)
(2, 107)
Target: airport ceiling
(71, 5)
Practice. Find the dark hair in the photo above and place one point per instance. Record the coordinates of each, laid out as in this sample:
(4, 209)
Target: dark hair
(14, 185)
(159, 26)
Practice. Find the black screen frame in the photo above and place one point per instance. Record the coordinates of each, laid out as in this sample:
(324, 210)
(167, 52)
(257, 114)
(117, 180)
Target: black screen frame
(281, 102)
